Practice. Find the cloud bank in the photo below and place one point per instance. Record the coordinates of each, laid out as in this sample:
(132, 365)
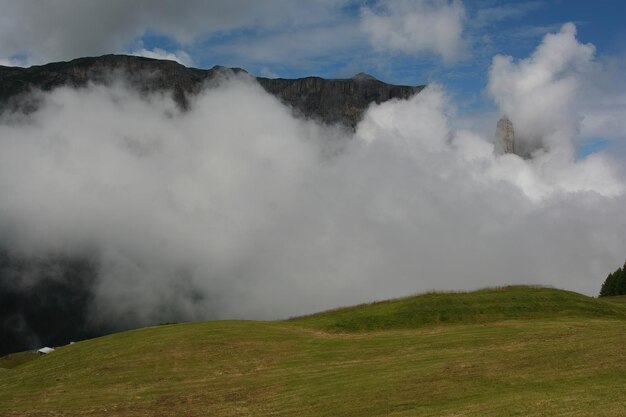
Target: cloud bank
(237, 209)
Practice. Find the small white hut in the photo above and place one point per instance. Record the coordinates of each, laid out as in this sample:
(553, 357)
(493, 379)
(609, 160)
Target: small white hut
(45, 351)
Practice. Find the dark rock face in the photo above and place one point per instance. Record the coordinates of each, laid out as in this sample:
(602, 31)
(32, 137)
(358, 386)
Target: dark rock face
(330, 101)
(46, 301)
(145, 74)
(335, 101)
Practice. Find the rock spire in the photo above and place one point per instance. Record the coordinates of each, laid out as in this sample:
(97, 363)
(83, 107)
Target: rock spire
(505, 137)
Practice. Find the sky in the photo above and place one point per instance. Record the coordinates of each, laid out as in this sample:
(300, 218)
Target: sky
(412, 42)
(238, 208)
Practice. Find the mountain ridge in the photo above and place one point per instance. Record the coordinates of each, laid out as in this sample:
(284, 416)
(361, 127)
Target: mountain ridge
(341, 100)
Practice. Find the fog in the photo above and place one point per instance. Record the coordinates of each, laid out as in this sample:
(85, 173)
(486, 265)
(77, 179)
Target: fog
(237, 208)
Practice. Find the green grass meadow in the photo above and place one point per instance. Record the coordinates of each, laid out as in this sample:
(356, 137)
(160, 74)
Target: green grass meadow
(515, 351)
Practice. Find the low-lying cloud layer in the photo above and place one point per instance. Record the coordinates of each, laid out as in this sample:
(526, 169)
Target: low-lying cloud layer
(236, 208)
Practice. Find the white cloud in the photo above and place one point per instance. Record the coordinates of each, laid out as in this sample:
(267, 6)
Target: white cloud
(494, 14)
(416, 27)
(561, 95)
(298, 47)
(66, 29)
(7, 62)
(267, 73)
(525, 33)
(181, 57)
(13, 62)
(604, 106)
(539, 93)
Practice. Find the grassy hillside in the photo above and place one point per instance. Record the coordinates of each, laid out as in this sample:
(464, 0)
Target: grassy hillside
(484, 306)
(16, 359)
(509, 352)
(615, 299)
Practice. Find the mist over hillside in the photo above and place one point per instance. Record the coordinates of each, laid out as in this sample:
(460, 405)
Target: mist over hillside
(127, 203)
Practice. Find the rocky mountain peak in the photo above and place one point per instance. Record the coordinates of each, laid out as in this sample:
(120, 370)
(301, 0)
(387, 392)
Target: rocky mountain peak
(362, 76)
(505, 137)
(327, 100)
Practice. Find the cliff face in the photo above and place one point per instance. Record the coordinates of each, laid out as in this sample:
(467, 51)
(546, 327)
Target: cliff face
(331, 101)
(507, 142)
(335, 101)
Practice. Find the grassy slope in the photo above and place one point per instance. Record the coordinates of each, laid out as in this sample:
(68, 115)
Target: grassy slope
(376, 360)
(615, 299)
(484, 306)
(16, 359)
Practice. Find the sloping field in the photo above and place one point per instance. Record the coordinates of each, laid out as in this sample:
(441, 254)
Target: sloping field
(483, 306)
(16, 359)
(508, 352)
(615, 299)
